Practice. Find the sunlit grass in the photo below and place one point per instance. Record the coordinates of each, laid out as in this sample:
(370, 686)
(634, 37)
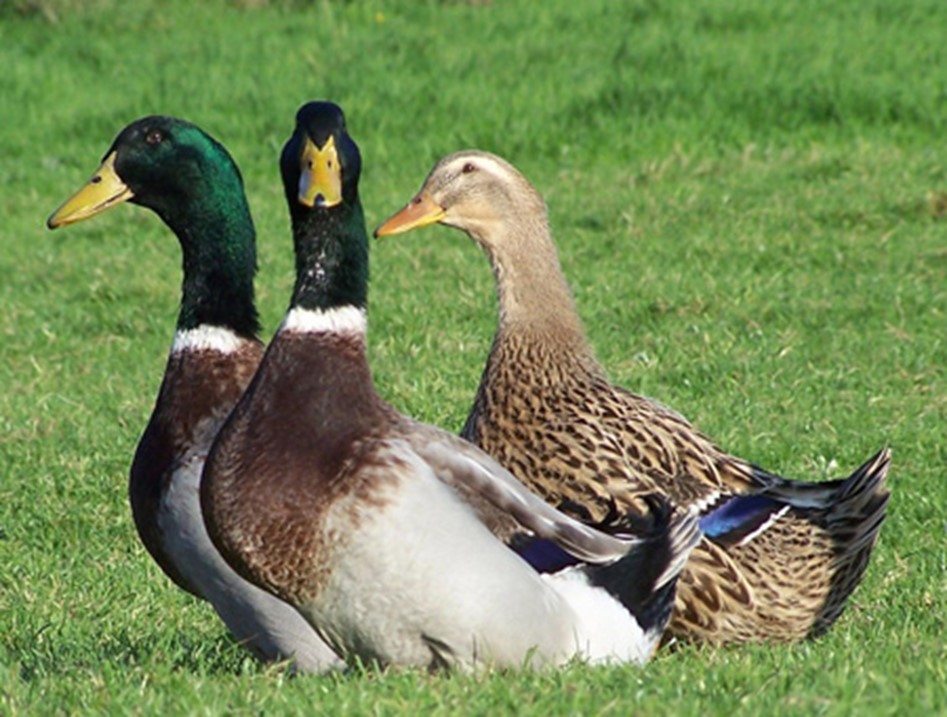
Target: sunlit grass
(749, 200)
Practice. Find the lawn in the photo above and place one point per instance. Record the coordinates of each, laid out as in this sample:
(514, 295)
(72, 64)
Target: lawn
(750, 200)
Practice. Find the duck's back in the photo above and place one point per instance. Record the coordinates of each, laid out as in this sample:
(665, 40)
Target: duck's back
(546, 410)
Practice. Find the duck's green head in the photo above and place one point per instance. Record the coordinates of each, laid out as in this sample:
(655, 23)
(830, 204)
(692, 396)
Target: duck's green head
(166, 164)
(190, 180)
(320, 165)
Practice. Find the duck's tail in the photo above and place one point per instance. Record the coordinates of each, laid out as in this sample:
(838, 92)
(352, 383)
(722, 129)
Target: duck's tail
(851, 510)
(644, 580)
(799, 549)
(854, 521)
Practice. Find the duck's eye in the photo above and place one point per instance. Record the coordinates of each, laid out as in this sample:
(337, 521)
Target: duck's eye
(469, 167)
(154, 136)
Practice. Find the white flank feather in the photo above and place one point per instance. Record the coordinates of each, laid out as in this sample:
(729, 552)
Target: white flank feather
(605, 631)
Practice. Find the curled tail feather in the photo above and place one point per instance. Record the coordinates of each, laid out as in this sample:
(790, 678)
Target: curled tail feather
(644, 581)
(854, 522)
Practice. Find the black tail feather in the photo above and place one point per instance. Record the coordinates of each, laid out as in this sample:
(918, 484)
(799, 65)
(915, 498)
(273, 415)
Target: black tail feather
(644, 580)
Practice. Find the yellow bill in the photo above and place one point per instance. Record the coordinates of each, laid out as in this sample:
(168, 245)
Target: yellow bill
(103, 191)
(420, 212)
(320, 182)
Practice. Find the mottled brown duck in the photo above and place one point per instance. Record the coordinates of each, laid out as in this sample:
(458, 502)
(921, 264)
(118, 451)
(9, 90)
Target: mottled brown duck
(779, 558)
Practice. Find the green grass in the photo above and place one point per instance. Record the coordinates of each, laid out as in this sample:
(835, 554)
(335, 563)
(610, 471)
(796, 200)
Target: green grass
(750, 200)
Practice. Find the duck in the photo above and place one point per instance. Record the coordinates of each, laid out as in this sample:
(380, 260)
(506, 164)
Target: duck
(778, 559)
(402, 544)
(190, 180)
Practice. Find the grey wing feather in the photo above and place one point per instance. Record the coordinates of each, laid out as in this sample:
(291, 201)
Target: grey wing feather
(462, 465)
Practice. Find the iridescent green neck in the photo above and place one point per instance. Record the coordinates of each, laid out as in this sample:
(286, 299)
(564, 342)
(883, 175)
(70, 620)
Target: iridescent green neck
(331, 256)
(218, 240)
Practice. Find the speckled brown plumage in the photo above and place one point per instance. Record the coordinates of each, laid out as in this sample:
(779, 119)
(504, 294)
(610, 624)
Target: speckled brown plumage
(546, 411)
(574, 438)
(543, 394)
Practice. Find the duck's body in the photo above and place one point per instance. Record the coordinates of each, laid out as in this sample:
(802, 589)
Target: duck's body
(780, 557)
(785, 582)
(382, 531)
(367, 537)
(214, 355)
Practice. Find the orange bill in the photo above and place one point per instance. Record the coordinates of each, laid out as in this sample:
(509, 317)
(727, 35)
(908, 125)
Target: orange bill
(420, 212)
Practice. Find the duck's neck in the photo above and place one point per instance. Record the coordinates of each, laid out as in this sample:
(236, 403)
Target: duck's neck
(331, 258)
(219, 264)
(326, 323)
(328, 305)
(532, 291)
